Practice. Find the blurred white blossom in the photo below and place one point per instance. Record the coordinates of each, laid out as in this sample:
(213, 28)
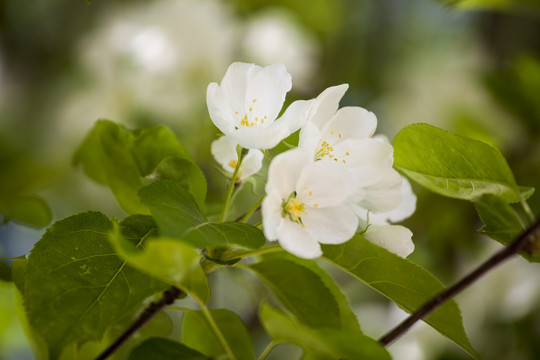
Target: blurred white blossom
(224, 151)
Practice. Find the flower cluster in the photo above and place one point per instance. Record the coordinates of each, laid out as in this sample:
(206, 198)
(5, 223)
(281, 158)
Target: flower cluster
(338, 181)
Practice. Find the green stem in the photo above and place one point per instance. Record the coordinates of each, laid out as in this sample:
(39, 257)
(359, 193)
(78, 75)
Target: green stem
(252, 210)
(232, 183)
(260, 251)
(526, 207)
(267, 350)
(217, 331)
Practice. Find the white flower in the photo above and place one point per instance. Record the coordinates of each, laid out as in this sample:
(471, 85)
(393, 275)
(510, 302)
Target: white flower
(247, 102)
(306, 204)
(224, 151)
(344, 137)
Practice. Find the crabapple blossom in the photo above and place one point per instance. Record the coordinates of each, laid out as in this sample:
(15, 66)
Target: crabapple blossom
(224, 151)
(246, 104)
(307, 204)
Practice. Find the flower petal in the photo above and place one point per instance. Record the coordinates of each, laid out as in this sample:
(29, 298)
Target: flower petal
(405, 208)
(224, 151)
(295, 116)
(394, 238)
(251, 164)
(265, 92)
(284, 171)
(296, 240)
(271, 213)
(323, 184)
(309, 138)
(384, 195)
(326, 105)
(349, 123)
(219, 109)
(331, 225)
(235, 82)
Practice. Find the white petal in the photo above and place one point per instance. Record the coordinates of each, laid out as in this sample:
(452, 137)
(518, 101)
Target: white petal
(219, 109)
(394, 238)
(331, 225)
(326, 105)
(284, 171)
(266, 90)
(294, 239)
(384, 195)
(251, 164)
(235, 83)
(271, 214)
(258, 137)
(295, 116)
(224, 151)
(323, 183)
(349, 123)
(405, 208)
(309, 138)
(369, 160)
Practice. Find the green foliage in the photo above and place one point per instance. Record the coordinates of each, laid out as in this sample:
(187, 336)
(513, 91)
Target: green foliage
(197, 333)
(179, 263)
(178, 216)
(453, 165)
(164, 349)
(121, 159)
(522, 5)
(320, 343)
(76, 286)
(403, 282)
(306, 290)
(20, 176)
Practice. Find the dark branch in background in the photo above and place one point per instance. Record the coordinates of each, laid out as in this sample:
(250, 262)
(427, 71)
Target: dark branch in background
(522, 243)
(169, 296)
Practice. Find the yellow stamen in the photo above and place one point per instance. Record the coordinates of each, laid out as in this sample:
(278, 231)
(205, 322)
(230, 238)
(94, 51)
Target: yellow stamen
(233, 163)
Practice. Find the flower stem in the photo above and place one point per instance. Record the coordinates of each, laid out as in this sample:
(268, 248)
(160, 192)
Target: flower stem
(526, 207)
(217, 331)
(254, 208)
(232, 183)
(521, 243)
(267, 350)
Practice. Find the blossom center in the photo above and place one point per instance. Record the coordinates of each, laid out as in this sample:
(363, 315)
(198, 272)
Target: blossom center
(293, 208)
(326, 152)
(249, 119)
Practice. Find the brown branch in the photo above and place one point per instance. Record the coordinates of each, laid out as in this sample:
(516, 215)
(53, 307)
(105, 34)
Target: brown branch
(169, 296)
(521, 243)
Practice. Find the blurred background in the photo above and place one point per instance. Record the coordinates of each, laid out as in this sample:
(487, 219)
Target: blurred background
(471, 68)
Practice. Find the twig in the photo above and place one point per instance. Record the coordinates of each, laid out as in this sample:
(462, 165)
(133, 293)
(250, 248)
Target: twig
(521, 243)
(169, 296)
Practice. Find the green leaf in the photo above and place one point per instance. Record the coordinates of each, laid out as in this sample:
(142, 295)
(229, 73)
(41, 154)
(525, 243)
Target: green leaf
(76, 286)
(164, 349)
(198, 334)
(168, 260)
(121, 159)
(26, 209)
(508, 5)
(178, 216)
(324, 343)
(453, 165)
(5, 271)
(18, 273)
(403, 282)
(305, 290)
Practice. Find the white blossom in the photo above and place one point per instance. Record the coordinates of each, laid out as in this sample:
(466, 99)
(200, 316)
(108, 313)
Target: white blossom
(307, 204)
(247, 102)
(224, 151)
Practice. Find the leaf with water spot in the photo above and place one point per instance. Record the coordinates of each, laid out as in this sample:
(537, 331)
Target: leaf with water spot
(76, 286)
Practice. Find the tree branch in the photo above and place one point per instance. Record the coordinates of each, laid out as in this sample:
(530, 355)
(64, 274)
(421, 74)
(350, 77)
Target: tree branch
(521, 243)
(169, 296)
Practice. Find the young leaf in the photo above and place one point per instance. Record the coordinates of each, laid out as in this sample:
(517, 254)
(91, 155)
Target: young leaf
(178, 216)
(305, 290)
(403, 282)
(120, 159)
(320, 343)
(164, 349)
(76, 286)
(168, 260)
(198, 334)
(453, 165)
